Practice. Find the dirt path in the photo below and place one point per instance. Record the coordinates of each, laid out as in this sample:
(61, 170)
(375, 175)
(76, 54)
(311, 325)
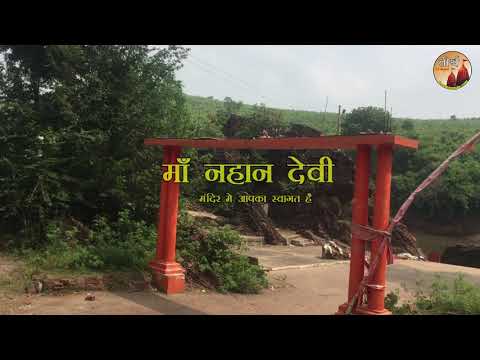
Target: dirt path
(316, 290)
(8, 284)
(293, 292)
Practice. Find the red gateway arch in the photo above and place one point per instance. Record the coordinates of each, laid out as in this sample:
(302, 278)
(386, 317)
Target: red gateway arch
(169, 276)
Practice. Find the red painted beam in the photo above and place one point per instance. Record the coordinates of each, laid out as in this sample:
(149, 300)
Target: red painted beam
(304, 143)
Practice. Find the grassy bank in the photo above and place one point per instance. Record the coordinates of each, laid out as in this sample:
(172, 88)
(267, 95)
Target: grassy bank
(208, 253)
(457, 297)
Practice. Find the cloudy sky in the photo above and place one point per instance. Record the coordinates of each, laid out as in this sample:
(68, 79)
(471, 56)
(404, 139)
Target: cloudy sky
(301, 77)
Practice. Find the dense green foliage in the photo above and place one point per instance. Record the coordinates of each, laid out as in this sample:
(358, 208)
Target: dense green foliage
(73, 123)
(124, 244)
(459, 297)
(457, 193)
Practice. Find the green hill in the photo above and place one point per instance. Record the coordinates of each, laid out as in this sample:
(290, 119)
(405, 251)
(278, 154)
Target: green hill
(202, 106)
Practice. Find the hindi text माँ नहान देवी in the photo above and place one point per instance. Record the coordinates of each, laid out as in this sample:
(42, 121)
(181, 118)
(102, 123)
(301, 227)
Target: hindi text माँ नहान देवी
(239, 174)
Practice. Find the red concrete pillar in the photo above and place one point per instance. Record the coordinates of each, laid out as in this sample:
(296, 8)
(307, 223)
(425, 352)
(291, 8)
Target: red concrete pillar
(161, 214)
(359, 216)
(381, 219)
(169, 276)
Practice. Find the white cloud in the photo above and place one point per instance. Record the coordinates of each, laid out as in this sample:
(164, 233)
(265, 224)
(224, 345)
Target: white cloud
(302, 76)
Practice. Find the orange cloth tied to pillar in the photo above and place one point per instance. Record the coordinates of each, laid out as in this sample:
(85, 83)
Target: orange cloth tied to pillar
(368, 233)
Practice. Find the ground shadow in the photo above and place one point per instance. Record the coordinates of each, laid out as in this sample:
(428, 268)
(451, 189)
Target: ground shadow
(158, 303)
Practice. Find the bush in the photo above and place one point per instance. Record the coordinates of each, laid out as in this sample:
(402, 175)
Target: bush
(60, 253)
(211, 254)
(125, 244)
(239, 275)
(459, 297)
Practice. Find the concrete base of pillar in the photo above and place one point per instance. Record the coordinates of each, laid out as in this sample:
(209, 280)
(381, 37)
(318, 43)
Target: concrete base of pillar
(168, 277)
(362, 310)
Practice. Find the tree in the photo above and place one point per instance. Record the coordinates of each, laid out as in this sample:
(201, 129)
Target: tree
(407, 125)
(73, 122)
(232, 107)
(262, 122)
(365, 120)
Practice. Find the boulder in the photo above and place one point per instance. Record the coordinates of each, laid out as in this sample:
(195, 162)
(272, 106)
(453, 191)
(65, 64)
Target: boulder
(463, 255)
